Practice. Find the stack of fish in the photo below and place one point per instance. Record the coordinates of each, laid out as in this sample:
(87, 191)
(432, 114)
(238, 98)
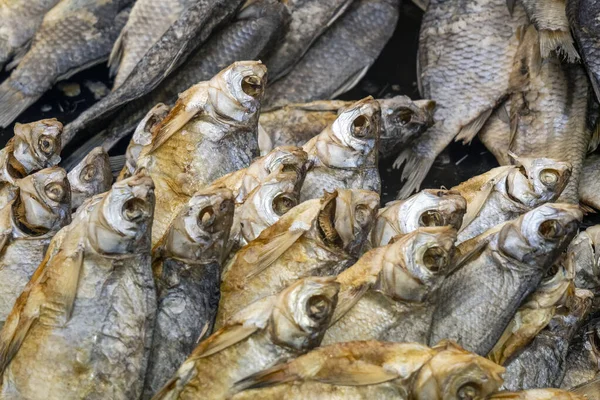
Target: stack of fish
(238, 249)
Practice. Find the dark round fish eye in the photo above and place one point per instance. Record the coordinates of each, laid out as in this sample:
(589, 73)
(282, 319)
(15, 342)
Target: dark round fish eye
(252, 85)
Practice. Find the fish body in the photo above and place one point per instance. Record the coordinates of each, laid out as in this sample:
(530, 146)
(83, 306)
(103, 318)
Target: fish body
(147, 22)
(74, 35)
(342, 55)
(377, 370)
(589, 191)
(264, 333)
(584, 252)
(187, 271)
(402, 120)
(501, 267)
(388, 294)
(427, 208)
(583, 360)
(90, 177)
(538, 394)
(210, 132)
(35, 146)
(318, 237)
(27, 224)
(344, 155)
(18, 23)
(543, 363)
(459, 44)
(83, 325)
(504, 193)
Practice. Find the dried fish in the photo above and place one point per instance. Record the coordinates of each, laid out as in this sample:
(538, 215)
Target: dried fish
(90, 177)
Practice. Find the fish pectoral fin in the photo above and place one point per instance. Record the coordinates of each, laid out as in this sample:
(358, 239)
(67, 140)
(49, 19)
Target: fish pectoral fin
(347, 300)
(222, 339)
(116, 54)
(179, 115)
(559, 41)
(510, 4)
(470, 130)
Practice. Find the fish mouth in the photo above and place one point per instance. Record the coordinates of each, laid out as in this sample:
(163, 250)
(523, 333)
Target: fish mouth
(326, 222)
(252, 85)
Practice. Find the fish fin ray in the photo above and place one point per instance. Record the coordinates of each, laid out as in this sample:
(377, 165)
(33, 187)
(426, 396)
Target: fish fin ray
(559, 41)
(222, 339)
(510, 5)
(174, 121)
(116, 54)
(415, 170)
(470, 130)
(117, 163)
(347, 300)
(12, 103)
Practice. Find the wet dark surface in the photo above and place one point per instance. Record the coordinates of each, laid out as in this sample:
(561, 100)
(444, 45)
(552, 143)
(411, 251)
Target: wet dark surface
(393, 73)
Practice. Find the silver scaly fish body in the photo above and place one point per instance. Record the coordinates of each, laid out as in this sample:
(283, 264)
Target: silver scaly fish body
(266, 332)
(583, 360)
(83, 325)
(74, 35)
(318, 237)
(500, 269)
(585, 255)
(429, 207)
(90, 177)
(345, 155)
(466, 55)
(27, 224)
(377, 370)
(187, 270)
(210, 132)
(504, 193)
(589, 189)
(388, 294)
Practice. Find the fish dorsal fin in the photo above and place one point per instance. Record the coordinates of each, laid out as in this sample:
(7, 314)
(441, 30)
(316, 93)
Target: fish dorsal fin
(222, 339)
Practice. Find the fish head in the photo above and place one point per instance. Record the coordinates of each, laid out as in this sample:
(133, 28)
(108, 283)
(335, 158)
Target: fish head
(236, 92)
(540, 233)
(303, 311)
(346, 218)
(431, 207)
(90, 177)
(200, 231)
(402, 119)
(37, 145)
(547, 177)
(269, 201)
(44, 202)
(124, 216)
(456, 374)
(352, 140)
(416, 263)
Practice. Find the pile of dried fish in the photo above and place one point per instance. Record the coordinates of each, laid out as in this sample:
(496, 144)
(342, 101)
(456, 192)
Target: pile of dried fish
(239, 250)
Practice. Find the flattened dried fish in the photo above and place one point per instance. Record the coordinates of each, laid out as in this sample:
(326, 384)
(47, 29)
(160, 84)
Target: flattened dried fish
(583, 360)
(429, 207)
(85, 318)
(27, 224)
(589, 184)
(344, 156)
(187, 271)
(500, 268)
(318, 237)
(504, 193)
(74, 35)
(378, 370)
(586, 258)
(210, 132)
(388, 294)
(466, 53)
(266, 332)
(340, 57)
(90, 177)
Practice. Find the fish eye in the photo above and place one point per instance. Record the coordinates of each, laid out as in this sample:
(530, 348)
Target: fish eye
(435, 258)
(553, 270)
(88, 173)
(549, 177)
(550, 229)
(362, 214)
(431, 218)
(360, 126)
(46, 144)
(283, 203)
(134, 209)
(318, 307)
(405, 116)
(55, 191)
(252, 85)
(468, 391)
(206, 217)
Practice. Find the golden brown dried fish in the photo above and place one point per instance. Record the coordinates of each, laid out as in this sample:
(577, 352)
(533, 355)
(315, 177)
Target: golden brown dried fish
(389, 293)
(318, 237)
(210, 132)
(83, 325)
(537, 394)
(344, 156)
(90, 177)
(266, 332)
(589, 187)
(377, 370)
(429, 207)
(27, 224)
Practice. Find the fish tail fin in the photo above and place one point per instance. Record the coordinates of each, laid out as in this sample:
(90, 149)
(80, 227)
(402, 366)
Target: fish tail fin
(559, 41)
(470, 130)
(416, 168)
(269, 377)
(12, 102)
(117, 163)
